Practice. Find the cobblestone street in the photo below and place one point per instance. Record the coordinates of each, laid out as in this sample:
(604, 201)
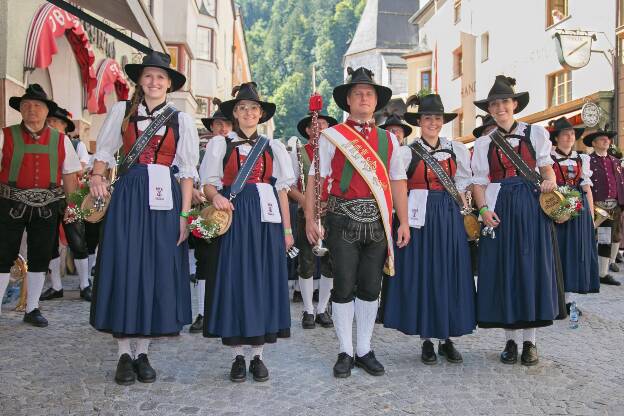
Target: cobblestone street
(67, 369)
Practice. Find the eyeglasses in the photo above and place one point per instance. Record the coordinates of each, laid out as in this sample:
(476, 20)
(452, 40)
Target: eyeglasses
(248, 107)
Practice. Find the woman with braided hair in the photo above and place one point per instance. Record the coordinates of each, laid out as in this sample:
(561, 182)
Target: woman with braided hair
(141, 287)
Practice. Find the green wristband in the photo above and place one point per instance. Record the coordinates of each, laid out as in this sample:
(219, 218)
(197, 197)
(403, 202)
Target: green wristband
(184, 214)
(287, 231)
(483, 209)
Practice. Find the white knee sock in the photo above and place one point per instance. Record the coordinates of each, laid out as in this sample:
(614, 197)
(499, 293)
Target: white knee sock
(343, 322)
(4, 282)
(510, 334)
(296, 287)
(237, 350)
(529, 335)
(192, 264)
(33, 292)
(614, 250)
(91, 262)
(316, 283)
(82, 267)
(603, 266)
(365, 314)
(55, 273)
(325, 286)
(123, 347)
(257, 350)
(142, 346)
(201, 296)
(307, 290)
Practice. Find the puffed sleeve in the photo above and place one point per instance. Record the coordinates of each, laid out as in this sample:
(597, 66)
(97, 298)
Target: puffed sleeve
(542, 144)
(187, 152)
(71, 163)
(292, 144)
(586, 172)
(109, 139)
(282, 166)
(211, 169)
(463, 176)
(397, 170)
(326, 154)
(479, 164)
(406, 156)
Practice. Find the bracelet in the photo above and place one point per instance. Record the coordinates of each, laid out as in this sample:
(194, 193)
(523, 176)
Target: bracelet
(288, 231)
(483, 209)
(184, 214)
(100, 175)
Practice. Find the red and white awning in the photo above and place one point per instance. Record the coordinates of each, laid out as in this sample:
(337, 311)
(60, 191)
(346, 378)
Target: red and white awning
(49, 23)
(109, 76)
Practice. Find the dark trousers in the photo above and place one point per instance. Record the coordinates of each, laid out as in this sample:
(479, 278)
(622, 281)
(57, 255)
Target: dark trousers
(604, 250)
(206, 256)
(76, 239)
(39, 223)
(307, 259)
(92, 235)
(358, 252)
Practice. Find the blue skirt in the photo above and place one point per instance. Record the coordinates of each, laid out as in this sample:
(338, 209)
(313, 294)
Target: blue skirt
(517, 285)
(250, 303)
(579, 255)
(141, 287)
(432, 293)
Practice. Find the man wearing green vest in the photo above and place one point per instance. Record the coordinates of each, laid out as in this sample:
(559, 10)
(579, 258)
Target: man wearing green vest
(34, 160)
(302, 157)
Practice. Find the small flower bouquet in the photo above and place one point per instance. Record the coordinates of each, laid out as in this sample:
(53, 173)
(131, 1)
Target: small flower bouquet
(74, 211)
(571, 205)
(201, 227)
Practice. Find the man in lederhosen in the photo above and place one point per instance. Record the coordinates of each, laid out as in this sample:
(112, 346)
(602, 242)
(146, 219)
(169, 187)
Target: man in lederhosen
(302, 159)
(608, 193)
(394, 124)
(204, 254)
(35, 159)
(60, 119)
(364, 179)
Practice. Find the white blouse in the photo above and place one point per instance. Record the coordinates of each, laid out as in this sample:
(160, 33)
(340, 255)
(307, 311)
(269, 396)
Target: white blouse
(109, 139)
(327, 151)
(585, 166)
(211, 169)
(540, 139)
(463, 175)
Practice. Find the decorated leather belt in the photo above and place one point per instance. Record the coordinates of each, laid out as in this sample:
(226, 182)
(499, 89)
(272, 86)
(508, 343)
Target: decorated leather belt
(362, 210)
(35, 197)
(607, 204)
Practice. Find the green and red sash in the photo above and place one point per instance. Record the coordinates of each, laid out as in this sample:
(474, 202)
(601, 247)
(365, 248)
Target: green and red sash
(372, 168)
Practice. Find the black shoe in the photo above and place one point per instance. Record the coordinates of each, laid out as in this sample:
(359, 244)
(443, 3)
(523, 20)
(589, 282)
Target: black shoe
(258, 369)
(297, 298)
(609, 280)
(343, 366)
(125, 371)
(324, 320)
(51, 294)
(86, 293)
(569, 304)
(529, 354)
(370, 364)
(428, 355)
(307, 321)
(510, 353)
(315, 295)
(198, 325)
(448, 350)
(35, 318)
(144, 371)
(619, 258)
(614, 268)
(238, 373)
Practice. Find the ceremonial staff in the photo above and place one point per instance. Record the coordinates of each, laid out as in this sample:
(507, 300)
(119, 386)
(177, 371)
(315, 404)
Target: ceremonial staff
(315, 106)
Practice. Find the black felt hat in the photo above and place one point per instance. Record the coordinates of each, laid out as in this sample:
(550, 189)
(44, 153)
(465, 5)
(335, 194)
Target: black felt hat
(247, 91)
(395, 120)
(588, 140)
(64, 115)
(504, 88)
(33, 92)
(217, 115)
(305, 122)
(361, 76)
(487, 121)
(156, 60)
(560, 124)
(430, 104)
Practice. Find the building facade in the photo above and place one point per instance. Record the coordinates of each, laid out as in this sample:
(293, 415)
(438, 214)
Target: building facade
(464, 44)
